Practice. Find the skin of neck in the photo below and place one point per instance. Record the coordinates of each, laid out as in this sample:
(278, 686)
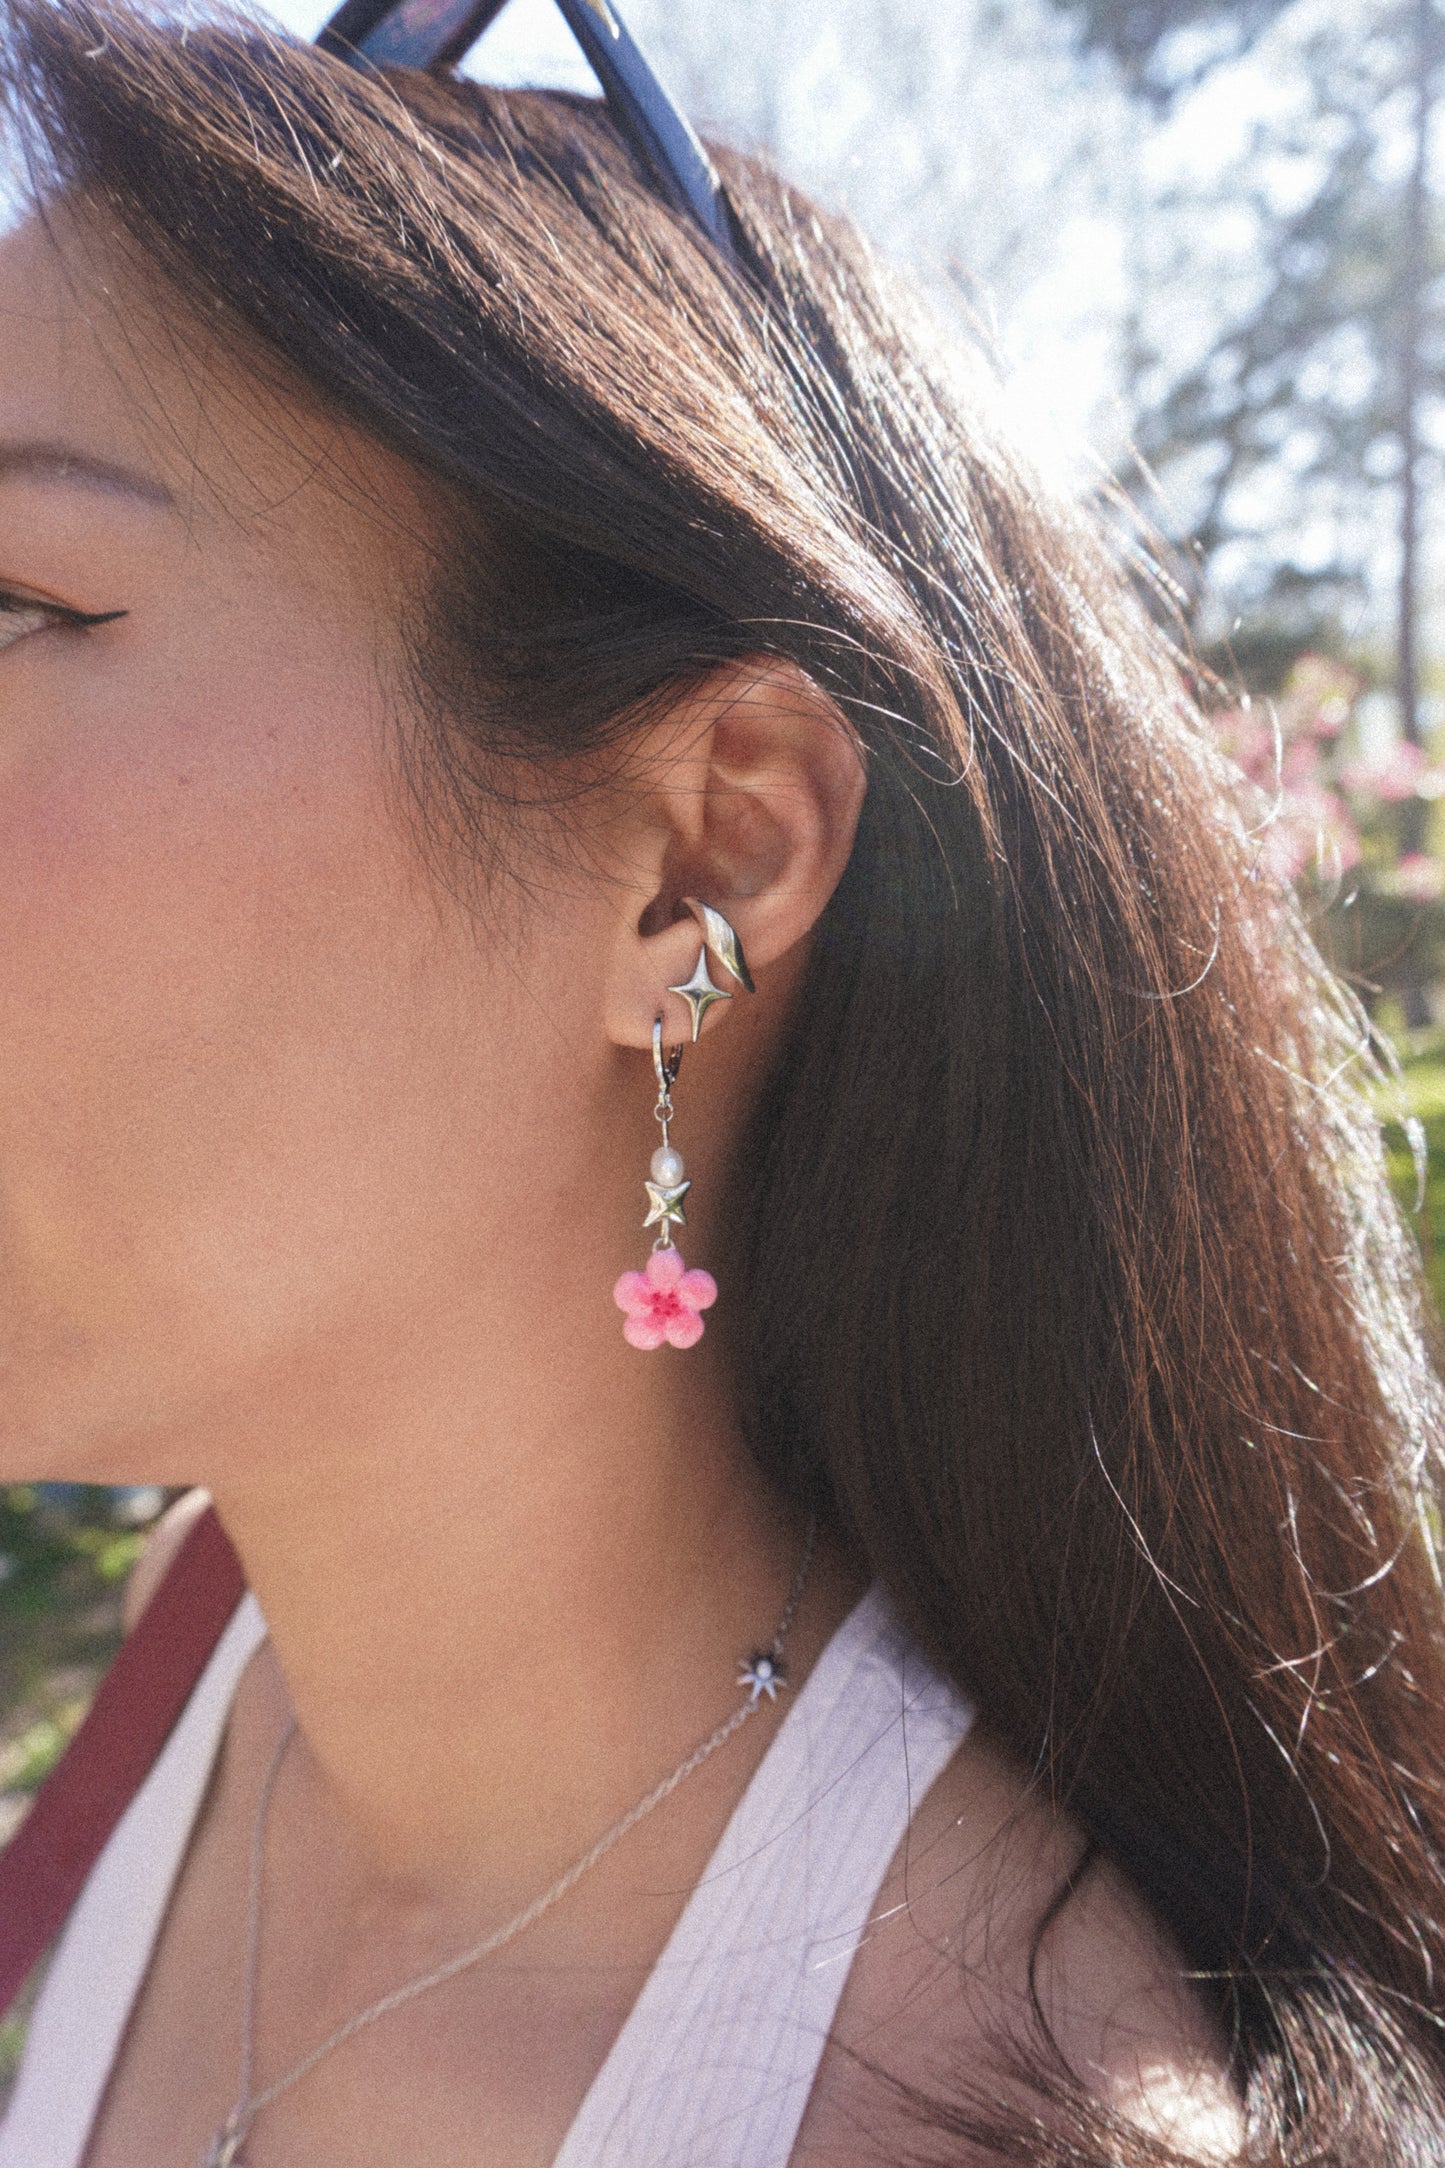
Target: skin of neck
(503, 1607)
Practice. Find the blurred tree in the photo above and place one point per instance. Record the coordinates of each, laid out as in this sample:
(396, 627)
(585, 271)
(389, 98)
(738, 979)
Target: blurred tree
(1163, 47)
(1315, 378)
(1309, 394)
(965, 135)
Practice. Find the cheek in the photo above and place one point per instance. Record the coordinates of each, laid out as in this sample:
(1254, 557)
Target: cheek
(211, 982)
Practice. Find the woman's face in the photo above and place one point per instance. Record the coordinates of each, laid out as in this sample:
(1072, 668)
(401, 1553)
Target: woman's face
(262, 1092)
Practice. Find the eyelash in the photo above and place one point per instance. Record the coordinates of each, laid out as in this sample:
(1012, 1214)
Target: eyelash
(46, 613)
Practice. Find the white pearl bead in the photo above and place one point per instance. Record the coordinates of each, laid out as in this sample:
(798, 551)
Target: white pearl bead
(667, 1167)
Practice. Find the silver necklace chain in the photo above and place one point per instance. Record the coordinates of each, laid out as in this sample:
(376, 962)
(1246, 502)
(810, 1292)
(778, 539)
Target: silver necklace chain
(762, 1673)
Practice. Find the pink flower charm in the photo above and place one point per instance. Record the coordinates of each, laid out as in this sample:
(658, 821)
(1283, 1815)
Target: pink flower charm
(662, 1301)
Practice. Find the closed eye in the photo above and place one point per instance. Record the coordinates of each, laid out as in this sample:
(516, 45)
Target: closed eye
(22, 614)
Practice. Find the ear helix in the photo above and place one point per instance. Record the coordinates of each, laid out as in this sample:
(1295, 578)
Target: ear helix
(664, 1302)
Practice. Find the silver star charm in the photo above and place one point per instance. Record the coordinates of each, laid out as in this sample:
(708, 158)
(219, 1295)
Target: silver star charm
(666, 1204)
(763, 1674)
(699, 993)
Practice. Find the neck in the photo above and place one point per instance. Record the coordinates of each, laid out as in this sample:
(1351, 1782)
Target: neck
(501, 1617)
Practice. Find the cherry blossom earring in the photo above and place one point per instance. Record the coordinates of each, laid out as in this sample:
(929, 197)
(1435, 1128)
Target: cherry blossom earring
(664, 1302)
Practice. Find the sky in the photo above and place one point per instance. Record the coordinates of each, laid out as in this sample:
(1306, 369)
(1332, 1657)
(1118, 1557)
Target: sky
(962, 134)
(882, 106)
(972, 143)
(528, 44)
(1052, 286)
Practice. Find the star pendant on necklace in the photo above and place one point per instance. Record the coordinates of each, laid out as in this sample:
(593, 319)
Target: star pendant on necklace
(763, 1674)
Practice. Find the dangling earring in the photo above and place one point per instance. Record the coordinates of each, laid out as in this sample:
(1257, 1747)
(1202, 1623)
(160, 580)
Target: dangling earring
(664, 1302)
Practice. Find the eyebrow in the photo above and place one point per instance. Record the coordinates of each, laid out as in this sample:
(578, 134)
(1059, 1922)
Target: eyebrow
(40, 462)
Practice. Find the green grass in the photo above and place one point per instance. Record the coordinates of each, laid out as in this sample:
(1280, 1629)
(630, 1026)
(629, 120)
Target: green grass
(61, 1575)
(12, 2038)
(1424, 1079)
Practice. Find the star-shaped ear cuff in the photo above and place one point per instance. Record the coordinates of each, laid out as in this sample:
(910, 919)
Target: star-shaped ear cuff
(720, 941)
(665, 1302)
(699, 993)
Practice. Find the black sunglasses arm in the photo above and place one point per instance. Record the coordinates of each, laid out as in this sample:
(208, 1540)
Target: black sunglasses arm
(438, 33)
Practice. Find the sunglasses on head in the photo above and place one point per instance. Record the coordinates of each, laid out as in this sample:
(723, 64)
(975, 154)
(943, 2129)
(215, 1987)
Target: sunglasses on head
(437, 34)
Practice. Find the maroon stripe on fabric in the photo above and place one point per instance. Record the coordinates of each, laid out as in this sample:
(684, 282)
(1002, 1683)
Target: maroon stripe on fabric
(45, 1864)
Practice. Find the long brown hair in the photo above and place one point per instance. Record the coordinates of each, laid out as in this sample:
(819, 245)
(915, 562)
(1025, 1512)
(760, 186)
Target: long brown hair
(1119, 1374)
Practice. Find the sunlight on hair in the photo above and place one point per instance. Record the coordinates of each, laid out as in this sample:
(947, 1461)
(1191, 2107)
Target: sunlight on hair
(1184, 2108)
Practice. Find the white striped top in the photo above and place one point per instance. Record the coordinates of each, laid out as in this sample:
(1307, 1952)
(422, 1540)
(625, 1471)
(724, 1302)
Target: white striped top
(715, 2063)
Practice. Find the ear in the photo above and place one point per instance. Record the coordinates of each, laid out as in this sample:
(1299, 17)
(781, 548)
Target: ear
(749, 794)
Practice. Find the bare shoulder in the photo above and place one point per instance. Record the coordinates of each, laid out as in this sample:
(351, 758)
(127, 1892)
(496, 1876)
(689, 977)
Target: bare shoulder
(161, 1546)
(997, 1931)
(1131, 2025)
